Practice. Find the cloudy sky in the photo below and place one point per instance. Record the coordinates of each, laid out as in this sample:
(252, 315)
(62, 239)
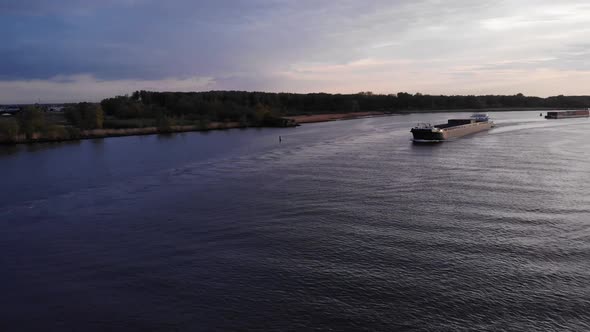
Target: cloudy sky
(73, 50)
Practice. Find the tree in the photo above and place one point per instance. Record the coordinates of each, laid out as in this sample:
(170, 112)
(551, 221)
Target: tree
(9, 129)
(261, 108)
(261, 113)
(163, 122)
(98, 117)
(31, 120)
(86, 116)
(354, 106)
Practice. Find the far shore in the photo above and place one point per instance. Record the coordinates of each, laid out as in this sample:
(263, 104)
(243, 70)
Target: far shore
(333, 116)
(355, 115)
(299, 119)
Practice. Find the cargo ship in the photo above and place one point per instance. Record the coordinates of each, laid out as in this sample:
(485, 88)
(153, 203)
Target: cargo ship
(454, 128)
(568, 114)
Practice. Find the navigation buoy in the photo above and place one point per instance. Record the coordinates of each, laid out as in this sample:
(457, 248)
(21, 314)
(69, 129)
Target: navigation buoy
(280, 139)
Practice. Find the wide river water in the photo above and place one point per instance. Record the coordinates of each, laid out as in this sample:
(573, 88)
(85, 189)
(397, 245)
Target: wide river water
(344, 225)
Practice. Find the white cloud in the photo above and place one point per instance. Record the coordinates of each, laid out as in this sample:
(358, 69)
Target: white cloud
(429, 46)
(438, 77)
(536, 47)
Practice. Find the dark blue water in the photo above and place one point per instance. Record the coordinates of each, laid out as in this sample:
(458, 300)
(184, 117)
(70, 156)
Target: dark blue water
(343, 226)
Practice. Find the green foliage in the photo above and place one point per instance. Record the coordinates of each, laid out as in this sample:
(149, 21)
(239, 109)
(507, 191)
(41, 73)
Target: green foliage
(163, 122)
(113, 123)
(203, 124)
(9, 129)
(85, 116)
(354, 106)
(265, 109)
(123, 107)
(72, 132)
(31, 120)
(265, 116)
(262, 112)
(97, 117)
(54, 131)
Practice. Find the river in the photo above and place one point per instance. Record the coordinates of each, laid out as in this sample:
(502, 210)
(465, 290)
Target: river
(343, 225)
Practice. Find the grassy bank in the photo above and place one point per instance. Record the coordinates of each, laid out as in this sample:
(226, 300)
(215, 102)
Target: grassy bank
(57, 128)
(69, 134)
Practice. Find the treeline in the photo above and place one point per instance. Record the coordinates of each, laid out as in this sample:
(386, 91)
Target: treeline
(166, 111)
(254, 107)
(32, 123)
(85, 116)
(195, 108)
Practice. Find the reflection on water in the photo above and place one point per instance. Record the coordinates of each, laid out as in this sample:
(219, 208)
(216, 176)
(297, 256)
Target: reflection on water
(343, 225)
(166, 136)
(9, 149)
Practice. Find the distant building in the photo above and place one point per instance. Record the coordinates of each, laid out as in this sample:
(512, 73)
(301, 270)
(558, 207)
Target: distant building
(55, 109)
(9, 110)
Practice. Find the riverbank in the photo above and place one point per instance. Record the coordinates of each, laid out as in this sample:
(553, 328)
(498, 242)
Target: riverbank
(355, 115)
(103, 133)
(291, 121)
(333, 116)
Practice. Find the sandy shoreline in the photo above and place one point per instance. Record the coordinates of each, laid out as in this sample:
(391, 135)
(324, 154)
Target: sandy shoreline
(332, 116)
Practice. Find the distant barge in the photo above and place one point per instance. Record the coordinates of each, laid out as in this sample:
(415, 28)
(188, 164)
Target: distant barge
(568, 114)
(454, 128)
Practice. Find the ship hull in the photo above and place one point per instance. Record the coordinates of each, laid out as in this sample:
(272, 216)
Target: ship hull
(568, 114)
(442, 133)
